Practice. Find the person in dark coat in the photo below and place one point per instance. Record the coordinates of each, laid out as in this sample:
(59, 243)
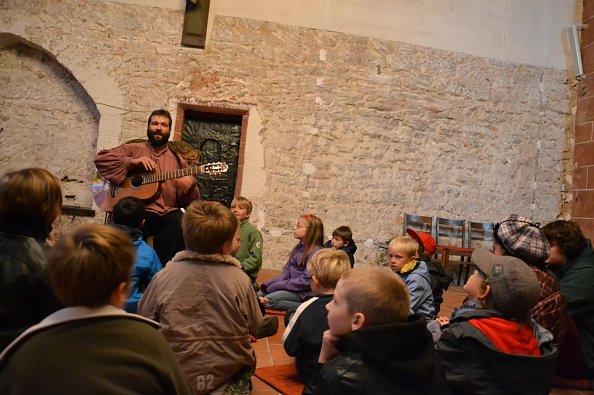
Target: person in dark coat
(342, 239)
(373, 345)
(572, 260)
(30, 203)
(491, 345)
(91, 346)
(303, 337)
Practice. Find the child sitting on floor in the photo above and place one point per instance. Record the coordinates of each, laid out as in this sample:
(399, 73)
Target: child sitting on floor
(491, 344)
(206, 304)
(342, 239)
(291, 288)
(401, 258)
(439, 280)
(303, 337)
(250, 251)
(373, 345)
(128, 215)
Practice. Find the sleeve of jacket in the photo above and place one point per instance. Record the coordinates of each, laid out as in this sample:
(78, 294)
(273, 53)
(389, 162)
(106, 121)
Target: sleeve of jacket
(292, 343)
(298, 283)
(253, 263)
(281, 277)
(146, 266)
(339, 376)
(578, 293)
(417, 289)
(292, 282)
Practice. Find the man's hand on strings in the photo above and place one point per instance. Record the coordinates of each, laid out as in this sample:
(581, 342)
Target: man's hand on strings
(147, 163)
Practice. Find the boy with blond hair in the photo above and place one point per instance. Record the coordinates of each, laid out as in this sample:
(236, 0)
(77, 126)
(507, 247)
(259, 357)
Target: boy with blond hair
(92, 346)
(206, 304)
(303, 337)
(373, 345)
(250, 251)
(401, 258)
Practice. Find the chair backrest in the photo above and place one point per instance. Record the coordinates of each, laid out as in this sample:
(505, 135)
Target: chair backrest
(480, 235)
(419, 223)
(450, 232)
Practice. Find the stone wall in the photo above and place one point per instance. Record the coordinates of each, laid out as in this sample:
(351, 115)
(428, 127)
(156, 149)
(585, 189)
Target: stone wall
(353, 129)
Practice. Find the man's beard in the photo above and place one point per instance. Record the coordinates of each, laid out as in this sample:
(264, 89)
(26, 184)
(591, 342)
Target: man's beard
(155, 142)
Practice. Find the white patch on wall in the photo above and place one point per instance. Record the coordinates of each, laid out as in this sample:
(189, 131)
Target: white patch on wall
(261, 219)
(313, 131)
(369, 243)
(319, 101)
(276, 232)
(309, 168)
(323, 53)
(320, 81)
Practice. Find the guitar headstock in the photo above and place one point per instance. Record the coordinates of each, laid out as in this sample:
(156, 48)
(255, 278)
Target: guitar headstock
(214, 168)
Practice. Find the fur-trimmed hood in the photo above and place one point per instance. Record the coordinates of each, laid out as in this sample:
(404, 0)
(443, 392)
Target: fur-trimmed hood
(189, 255)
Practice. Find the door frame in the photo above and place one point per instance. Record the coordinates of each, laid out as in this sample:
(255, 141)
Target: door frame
(220, 109)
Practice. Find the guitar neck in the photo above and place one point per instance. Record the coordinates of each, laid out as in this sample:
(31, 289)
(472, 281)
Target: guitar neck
(168, 175)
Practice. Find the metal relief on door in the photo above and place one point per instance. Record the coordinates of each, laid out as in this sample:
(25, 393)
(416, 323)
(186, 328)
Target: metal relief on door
(217, 141)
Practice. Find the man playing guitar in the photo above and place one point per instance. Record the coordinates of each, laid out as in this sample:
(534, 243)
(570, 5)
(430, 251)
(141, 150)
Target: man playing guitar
(163, 214)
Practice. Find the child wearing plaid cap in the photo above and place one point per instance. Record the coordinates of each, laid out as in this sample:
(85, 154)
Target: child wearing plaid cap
(520, 237)
(496, 347)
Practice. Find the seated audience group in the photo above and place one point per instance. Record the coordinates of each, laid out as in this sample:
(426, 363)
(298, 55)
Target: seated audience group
(100, 313)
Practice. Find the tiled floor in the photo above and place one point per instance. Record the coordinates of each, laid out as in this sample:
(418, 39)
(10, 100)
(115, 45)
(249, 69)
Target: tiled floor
(269, 351)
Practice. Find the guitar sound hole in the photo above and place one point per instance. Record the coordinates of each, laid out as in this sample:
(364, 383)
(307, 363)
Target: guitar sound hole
(136, 181)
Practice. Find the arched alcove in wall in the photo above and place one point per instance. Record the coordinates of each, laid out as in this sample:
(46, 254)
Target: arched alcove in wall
(47, 118)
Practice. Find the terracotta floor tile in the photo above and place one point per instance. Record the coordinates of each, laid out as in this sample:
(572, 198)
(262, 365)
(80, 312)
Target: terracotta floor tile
(278, 352)
(261, 345)
(259, 384)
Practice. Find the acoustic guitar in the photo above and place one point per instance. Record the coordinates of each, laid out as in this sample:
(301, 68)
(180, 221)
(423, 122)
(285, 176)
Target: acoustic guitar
(144, 186)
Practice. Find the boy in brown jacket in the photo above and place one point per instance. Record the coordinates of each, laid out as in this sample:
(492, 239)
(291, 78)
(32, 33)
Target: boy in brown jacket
(206, 304)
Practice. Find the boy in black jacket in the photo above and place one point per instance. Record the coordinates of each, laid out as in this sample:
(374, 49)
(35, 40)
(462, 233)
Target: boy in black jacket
(373, 345)
(303, 336)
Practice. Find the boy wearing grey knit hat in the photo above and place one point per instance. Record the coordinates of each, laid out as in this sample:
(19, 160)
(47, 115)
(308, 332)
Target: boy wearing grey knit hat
(491, 344)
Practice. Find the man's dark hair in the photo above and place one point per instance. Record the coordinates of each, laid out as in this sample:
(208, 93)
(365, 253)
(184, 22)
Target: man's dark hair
(161, 112)
(567, 236)
(129, 211)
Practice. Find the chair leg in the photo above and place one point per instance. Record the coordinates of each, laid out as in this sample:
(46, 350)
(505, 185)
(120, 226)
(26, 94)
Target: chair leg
(467, 272)
(460, 268)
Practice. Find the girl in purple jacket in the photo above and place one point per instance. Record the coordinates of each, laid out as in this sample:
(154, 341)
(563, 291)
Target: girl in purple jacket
(292, 287)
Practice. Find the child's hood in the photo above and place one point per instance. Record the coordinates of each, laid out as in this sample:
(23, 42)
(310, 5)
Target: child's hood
(403, 349)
